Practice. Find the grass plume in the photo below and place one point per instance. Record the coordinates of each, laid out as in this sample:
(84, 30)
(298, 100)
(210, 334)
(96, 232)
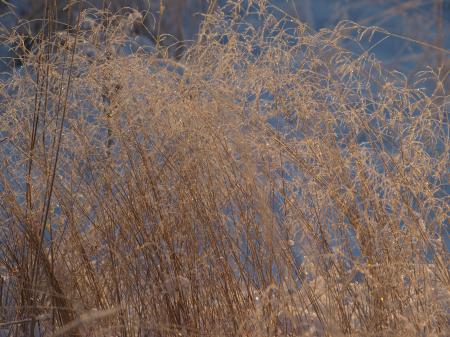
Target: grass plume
(269, 182)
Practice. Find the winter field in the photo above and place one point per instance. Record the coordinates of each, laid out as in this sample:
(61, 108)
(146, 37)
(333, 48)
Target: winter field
(232, 168)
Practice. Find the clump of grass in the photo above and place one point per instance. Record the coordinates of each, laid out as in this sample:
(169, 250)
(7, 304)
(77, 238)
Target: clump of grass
(269, 183)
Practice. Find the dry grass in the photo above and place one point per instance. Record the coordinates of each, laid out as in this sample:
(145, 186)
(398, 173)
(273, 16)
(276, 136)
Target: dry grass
(269, 183)
(406, 15)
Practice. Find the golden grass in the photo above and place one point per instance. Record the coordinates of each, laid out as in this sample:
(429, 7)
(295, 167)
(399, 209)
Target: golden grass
(268, 183)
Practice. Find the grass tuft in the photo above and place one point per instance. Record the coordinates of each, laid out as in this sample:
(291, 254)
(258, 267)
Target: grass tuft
(270, 181)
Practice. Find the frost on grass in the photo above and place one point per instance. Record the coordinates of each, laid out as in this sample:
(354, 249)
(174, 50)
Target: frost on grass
(269, 183)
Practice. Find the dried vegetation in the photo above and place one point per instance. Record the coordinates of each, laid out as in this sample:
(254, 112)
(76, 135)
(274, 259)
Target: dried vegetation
(268, 183)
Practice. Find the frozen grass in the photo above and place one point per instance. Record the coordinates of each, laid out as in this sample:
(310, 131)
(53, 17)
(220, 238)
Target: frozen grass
(269, 183)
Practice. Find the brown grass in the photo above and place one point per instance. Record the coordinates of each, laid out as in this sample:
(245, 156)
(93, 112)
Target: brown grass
(269, 183)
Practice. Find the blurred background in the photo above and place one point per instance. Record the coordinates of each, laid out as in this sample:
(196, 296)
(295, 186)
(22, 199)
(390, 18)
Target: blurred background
(426, 21)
